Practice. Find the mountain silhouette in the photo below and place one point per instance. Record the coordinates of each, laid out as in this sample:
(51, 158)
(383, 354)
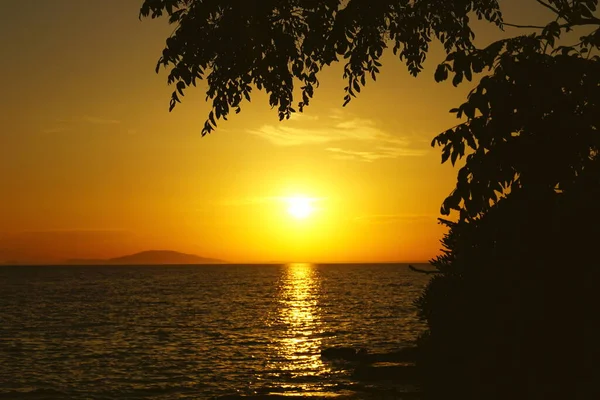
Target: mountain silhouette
(151, 257)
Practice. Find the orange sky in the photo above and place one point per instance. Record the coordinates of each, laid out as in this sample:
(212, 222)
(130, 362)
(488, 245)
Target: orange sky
(92, 164)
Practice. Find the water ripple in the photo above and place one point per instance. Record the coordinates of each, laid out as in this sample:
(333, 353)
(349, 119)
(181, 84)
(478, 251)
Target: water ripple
(195, 332)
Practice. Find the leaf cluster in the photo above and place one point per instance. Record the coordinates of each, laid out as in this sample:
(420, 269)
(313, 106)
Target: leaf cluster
(532, 120)
(275, 45)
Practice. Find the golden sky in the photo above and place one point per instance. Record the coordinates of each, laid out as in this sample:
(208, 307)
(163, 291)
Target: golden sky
(92, 164)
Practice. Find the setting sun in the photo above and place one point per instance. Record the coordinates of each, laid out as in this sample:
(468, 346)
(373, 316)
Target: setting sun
(299, 207)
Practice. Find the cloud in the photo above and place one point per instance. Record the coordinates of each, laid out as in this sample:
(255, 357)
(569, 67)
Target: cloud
(303, 117)
(377, 154)
(356, 138)
(286, 134)
(392, 218)
(294, 136)
(336, 113)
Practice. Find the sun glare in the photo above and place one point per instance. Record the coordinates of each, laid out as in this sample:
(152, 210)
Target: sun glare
(300, 207)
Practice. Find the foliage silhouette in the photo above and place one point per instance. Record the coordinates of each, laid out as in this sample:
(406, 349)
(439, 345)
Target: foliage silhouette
(538, 104)
(512, 312)
(273, 44)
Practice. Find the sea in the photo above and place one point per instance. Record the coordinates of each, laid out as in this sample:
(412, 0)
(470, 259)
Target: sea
(197, 332)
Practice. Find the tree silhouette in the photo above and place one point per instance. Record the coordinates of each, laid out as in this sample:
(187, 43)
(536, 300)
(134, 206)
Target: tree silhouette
(512, 312)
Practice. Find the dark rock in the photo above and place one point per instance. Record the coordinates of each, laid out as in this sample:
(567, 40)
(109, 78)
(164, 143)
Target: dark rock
(405, 374)
(344, 354)
(406, 355)
(351, 354)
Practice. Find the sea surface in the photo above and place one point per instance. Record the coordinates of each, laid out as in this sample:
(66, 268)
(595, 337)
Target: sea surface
(196, 332)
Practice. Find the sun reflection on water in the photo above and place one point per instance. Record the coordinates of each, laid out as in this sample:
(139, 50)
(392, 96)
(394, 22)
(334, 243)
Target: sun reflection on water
(298, 349)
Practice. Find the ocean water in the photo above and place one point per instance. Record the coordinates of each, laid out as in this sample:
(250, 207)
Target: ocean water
(196, 332)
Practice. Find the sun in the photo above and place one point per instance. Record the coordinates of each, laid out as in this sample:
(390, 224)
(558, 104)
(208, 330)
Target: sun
(299, 207)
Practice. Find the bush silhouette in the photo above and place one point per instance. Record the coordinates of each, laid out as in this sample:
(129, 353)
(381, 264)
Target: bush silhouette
(515, 313)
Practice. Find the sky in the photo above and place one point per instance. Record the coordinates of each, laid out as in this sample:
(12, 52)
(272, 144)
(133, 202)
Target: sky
(92, 164)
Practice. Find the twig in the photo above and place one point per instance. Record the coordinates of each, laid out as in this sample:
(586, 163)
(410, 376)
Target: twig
(523, 26)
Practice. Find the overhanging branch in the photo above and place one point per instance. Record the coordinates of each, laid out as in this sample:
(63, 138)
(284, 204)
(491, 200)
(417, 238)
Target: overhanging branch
(548, 6)
(523, 26)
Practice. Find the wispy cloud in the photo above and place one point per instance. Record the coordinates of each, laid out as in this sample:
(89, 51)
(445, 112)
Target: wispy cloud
(378, 153)
(356, 138)
(286, 133)
(293, 136)
(303, 117)
(392, 218)
(336, 113)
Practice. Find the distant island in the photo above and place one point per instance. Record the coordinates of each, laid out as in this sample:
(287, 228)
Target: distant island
(150, 257)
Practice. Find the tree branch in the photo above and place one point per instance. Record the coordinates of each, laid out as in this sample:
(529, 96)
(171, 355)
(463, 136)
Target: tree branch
(587, 21)
(548, 6)
(523, 26)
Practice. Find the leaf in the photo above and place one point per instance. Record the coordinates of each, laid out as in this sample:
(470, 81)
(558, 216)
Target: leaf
(441, 73)
(469, 110)
(458, 77)
(180, 87)
(468, 74)
(346, 100)
(471, 141)
(454, 156)
(445, 154)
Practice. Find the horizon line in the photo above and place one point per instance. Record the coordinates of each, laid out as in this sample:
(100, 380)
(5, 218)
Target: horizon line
(100, 264)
